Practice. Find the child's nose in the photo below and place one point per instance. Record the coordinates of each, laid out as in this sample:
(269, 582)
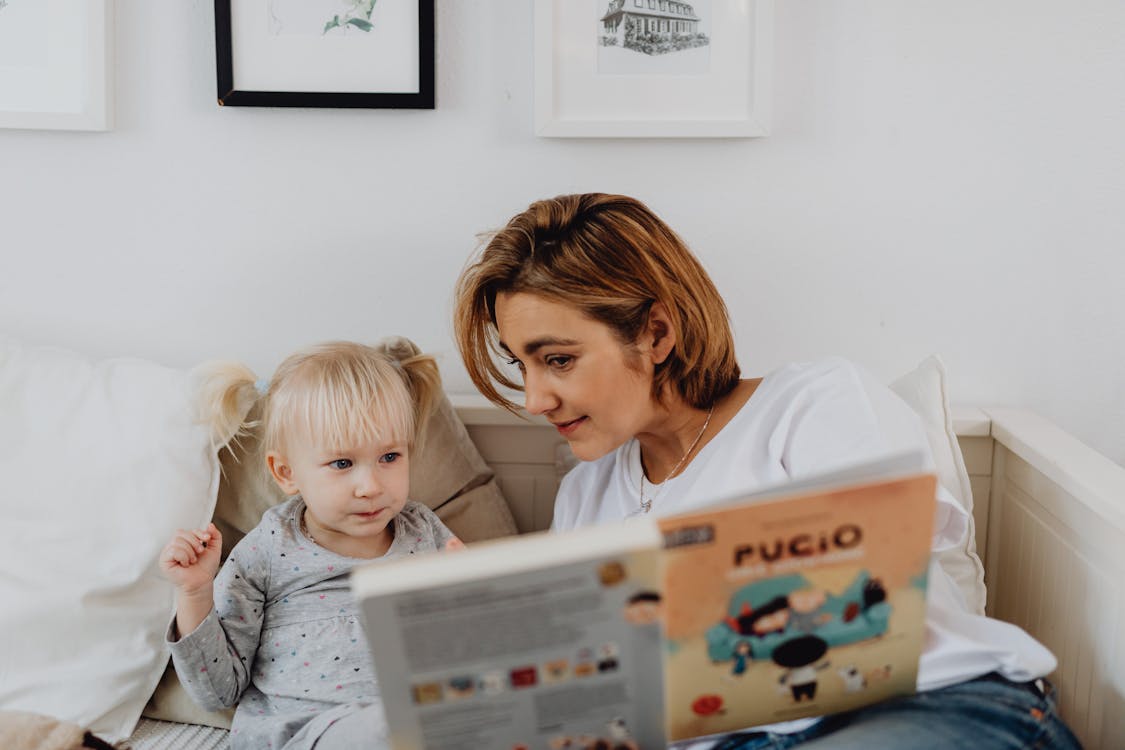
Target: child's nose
(368, 483)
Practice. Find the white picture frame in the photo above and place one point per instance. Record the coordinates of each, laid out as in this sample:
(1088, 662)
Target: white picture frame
(56, 64)
(584, 91)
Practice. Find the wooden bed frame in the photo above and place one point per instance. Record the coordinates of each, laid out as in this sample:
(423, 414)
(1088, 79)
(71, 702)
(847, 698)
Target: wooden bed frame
(1050, 520)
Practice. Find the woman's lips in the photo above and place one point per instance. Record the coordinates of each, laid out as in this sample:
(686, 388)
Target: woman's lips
(567, 428)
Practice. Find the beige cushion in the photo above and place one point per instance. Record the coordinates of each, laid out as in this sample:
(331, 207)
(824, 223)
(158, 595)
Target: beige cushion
(925, 390)
(447, 473)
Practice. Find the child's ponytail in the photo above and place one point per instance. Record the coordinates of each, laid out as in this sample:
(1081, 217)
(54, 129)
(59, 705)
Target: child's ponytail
(226, 394)
(423, 378)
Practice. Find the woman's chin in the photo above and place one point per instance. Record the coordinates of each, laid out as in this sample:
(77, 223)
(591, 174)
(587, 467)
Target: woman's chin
(588, 450)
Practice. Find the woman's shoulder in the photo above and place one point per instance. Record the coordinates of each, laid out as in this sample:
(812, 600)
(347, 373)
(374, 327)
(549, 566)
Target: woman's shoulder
(812, 372)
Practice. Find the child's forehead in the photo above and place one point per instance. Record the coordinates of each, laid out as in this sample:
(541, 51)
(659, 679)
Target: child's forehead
(338, 445)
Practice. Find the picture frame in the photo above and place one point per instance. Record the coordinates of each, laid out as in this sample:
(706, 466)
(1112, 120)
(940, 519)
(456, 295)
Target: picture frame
(653, 68)
(369, 54)
(56, 64)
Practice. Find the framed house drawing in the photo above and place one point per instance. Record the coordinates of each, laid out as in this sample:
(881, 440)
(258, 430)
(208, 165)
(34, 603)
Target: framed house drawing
(56, 64)
(653, 68)
(325, 53)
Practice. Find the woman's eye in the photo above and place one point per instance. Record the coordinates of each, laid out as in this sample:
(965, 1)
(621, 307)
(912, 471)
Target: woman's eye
(517, 363)
(559, 361)
(342, 463)
(390, 458)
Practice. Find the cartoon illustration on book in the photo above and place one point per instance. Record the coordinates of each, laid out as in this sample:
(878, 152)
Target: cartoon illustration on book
(798, 657)
(765, 614)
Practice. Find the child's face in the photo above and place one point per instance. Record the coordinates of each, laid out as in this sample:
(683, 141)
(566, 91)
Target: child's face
(352, 492)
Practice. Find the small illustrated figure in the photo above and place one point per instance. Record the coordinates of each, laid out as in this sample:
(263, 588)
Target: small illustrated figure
(853, 678)
(620, 738)
(643, 608)
(771, 617)
(805, 613)
(742, 653)
(798, 657)
(855, 681)
(607, 659)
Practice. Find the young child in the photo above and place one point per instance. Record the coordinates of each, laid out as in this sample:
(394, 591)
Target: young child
(277, 630)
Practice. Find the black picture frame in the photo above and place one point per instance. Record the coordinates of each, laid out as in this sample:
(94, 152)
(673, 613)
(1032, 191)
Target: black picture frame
(229, 96)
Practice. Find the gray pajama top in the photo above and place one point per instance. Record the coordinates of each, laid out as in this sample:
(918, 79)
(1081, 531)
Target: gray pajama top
(284, 640)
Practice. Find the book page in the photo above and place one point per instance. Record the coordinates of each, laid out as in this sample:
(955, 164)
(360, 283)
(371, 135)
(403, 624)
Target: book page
(786, 608)
(535, 659)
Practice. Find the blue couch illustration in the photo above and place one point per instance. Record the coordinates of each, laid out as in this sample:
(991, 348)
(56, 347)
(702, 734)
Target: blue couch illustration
(856, 614)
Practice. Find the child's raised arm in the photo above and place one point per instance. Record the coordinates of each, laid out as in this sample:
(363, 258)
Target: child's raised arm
(191, 560)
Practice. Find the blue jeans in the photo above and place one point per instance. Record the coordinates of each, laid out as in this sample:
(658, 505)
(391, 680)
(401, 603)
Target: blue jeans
(988, 712)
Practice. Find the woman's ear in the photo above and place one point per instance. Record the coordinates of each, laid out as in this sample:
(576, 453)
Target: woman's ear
(281, 472)
(660, 332)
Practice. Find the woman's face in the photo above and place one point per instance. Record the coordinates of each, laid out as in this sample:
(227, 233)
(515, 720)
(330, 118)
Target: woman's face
(576, 373)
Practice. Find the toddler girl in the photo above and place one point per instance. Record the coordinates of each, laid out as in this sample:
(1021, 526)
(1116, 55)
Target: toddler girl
(277, 630)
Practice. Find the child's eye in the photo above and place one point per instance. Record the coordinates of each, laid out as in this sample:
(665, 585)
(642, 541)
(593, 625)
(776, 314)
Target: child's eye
(341, 463)
(390, 458)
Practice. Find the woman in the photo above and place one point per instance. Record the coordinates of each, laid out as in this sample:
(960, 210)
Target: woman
(624, 344)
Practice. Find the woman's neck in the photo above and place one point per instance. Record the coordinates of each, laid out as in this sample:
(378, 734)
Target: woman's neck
(680, 431)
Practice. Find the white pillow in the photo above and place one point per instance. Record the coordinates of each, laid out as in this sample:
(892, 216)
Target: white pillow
(924, 389)
(101, 463)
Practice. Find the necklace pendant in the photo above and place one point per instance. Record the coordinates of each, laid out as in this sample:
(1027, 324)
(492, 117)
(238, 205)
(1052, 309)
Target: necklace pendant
(646, 505)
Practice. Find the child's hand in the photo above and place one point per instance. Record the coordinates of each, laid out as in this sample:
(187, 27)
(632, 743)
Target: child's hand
(191, 559)
(454, 544)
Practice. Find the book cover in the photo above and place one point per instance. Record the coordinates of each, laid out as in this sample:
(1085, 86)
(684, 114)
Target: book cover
(540, 641)
(799, 601)
(794, 607)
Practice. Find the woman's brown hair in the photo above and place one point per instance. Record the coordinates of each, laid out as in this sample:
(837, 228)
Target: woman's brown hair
(612, 258)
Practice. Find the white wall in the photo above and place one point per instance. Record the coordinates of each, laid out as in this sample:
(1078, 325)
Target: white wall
(943, 177)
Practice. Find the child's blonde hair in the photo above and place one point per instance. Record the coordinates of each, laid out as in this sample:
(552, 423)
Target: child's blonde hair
(335, 392)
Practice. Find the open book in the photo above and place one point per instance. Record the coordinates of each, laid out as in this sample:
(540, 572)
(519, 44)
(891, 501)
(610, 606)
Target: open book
(801, 601)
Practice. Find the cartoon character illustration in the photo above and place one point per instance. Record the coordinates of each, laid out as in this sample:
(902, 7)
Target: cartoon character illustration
(742, 654)
(770, 612)
(492, 683)
(461, 686)
(855, 681)
(620, 738)
(556, 670)
(806, 610)
(798, 657)
(643, 608)
(607, 659)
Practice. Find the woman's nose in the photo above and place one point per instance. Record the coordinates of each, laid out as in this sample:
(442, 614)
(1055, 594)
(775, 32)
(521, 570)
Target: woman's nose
(538, 398)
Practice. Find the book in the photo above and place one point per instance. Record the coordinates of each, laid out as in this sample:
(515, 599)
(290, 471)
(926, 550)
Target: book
(802, 600)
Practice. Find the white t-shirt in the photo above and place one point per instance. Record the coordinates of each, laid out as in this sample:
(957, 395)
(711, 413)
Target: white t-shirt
(803, 420)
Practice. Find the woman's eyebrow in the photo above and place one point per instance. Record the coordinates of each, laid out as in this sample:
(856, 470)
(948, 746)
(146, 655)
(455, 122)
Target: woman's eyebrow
(536, 344)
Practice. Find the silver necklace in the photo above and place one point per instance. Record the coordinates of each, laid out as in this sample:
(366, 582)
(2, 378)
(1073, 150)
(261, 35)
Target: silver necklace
(646, 503)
